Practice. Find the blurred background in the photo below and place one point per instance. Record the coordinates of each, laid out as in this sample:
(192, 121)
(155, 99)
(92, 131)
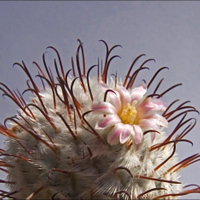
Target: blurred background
(166, 31)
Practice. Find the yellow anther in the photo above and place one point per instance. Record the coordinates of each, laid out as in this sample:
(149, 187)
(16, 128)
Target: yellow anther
(128, 114)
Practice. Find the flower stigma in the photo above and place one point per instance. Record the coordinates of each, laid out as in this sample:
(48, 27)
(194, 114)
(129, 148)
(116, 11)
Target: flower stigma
(128, 114)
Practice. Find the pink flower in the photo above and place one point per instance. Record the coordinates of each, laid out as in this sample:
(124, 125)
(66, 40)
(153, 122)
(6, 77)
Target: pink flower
(129, 114)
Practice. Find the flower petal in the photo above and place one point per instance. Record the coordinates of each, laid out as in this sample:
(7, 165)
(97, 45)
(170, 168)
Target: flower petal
(138, 92)
(104, 108)
(115, 100)
(124, 95)
(107, 121)
(113, 136)
(155, 105)
(149, 124)
(138, 134)
(124, 136)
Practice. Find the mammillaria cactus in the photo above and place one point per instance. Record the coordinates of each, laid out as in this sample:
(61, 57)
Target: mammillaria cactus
(94, 137)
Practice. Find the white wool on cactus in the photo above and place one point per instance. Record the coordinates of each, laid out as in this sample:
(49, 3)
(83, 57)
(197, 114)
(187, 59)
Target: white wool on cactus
(94, 137)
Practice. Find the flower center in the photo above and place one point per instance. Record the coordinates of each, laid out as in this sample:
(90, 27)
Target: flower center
(128, 114)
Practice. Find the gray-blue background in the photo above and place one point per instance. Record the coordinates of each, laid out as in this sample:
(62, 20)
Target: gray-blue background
(166, 31)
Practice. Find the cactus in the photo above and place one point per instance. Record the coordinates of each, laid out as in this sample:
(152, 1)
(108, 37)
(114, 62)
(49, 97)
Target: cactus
(94, 137)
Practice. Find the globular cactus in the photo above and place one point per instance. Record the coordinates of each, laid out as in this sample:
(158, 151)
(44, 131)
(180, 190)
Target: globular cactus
(94, 137)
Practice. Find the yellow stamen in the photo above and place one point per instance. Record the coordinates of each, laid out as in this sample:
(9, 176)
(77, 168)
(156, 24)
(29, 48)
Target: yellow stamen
(128, 114)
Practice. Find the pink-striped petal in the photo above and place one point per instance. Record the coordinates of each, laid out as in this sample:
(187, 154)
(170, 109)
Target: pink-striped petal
(107, 121)
(104, 108)
(124, 136)
(113, 136)
(124, 95)
(115, 100)
(138, 92)
(149, 124)
(153, 105)
(138, 134)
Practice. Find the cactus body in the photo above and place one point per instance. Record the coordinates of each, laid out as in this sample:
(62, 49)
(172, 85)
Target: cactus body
(85, 137)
